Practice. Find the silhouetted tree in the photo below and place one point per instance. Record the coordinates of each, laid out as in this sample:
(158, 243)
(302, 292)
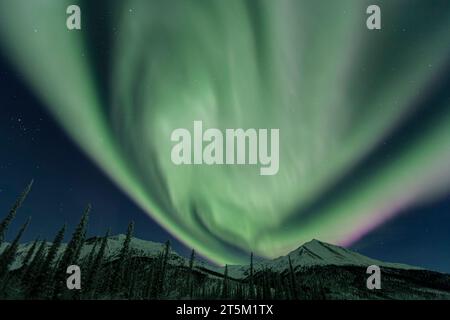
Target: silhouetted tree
(92, 279)
(71, 253)
(27, 260)
(32, 269)
(267, 294)
(225, 283)
(12, 213)
(292, 279)
(151, 285)
(90, 258)
(9, 254)
(117, 279)
(80, 247)
(279, 288)
(43, 286)
(159, 272)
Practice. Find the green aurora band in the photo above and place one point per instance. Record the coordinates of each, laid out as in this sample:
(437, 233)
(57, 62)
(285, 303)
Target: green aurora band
(336, 91)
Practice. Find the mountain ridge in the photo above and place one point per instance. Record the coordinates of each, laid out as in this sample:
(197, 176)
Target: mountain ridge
(319, 271)
(310, 254)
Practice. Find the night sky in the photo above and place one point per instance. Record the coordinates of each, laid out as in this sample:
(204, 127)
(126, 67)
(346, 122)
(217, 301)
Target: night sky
(34, 145)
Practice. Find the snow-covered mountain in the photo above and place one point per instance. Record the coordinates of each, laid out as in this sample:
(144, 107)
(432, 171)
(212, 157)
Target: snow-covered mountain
(114, 245)
(316, 252)
(321, 271)
(313, 253)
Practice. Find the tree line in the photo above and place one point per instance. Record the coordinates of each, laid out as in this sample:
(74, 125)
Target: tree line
(41, 273)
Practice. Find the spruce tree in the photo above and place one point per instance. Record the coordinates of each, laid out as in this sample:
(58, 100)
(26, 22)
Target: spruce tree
(71, 253)
(293, 280)
(9, 255)
(151, 279)
(28, 257)
(92, 277)
(90, 258)
(134, 267)
(32, 269)
(76, 294)
(279, 289)
(7, 258)
(203, 291)
(267, 294)
(105, 280)
(117, 279)
(80, 247)
(12, 213)
(160, 271)
(225, 283)
(43, 286)
(53, 250)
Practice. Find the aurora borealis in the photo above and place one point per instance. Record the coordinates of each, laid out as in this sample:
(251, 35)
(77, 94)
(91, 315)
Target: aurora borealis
(364, 116)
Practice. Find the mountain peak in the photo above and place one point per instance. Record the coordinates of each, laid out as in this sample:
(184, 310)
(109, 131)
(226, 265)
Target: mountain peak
(316, 252)
(313, 242)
